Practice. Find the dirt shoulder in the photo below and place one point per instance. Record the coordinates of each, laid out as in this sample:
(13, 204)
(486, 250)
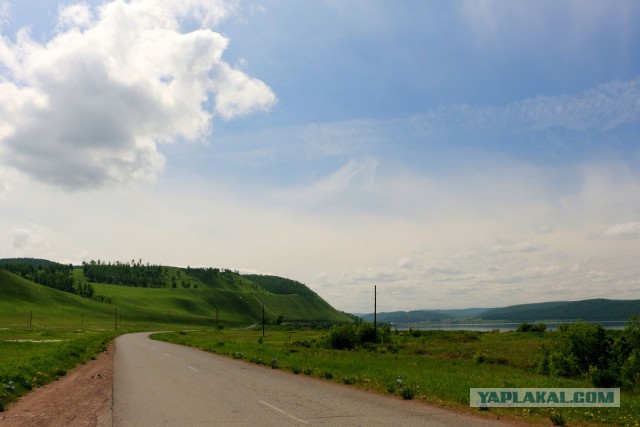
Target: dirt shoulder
(83, 397)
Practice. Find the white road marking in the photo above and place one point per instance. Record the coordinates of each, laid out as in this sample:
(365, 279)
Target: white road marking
(283, 412)
(193, 369)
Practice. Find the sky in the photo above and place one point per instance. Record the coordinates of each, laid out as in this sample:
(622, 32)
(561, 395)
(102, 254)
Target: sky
(453, 154)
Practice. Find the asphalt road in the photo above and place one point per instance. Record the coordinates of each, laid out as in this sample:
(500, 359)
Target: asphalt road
(162, 384)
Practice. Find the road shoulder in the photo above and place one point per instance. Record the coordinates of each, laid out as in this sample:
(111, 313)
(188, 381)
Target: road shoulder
(83, 397)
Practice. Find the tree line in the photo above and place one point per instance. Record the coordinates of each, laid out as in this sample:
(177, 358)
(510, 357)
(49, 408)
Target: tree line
(125, 273)
(50, 274)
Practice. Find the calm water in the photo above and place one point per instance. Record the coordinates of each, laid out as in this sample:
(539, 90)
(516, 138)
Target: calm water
(487, 327)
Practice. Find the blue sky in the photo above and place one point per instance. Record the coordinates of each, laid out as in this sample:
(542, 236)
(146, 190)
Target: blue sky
(455, 154)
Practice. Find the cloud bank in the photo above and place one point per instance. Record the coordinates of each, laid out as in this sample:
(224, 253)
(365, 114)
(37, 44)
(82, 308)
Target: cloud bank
(89, 107)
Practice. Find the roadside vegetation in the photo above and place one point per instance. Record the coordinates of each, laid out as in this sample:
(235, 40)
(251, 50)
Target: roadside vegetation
(32, 358)
(437, 367)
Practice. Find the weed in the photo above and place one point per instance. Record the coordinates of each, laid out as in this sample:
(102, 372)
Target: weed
(348, 380)
(308, 371)
(408, 392)
(557, 419)
(296, 370)
(327, 375)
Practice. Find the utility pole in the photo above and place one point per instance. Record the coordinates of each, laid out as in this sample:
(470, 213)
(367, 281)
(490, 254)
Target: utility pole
(375, 314)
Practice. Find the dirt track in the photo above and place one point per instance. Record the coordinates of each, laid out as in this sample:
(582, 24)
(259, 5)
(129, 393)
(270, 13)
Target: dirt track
(83, 397)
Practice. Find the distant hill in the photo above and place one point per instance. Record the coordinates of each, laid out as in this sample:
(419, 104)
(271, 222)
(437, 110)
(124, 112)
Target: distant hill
(419, 316)
(590, 310)
(185, 296)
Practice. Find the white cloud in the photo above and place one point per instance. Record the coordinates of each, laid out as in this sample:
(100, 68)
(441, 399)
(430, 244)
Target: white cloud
(75, 15)
(28, 240)
(625, 231)
(354, 179)
(89, 107)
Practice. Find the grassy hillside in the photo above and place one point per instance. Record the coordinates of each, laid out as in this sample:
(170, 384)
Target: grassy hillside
(589, 310)
(189, 297)
(20, 297)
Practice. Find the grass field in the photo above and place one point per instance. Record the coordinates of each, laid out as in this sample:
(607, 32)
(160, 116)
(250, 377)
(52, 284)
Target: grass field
(239, 303)
(31, 358)
(437, 367)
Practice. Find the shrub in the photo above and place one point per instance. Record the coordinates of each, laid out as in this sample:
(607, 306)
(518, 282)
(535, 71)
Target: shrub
(343, 337)
(348, 337)
(557, 419)
(578, 348)
(308, 371)
(408, 392)
(479, 357)
(348, 380)
(603, 378)
(529, 327)
(296, 370)
(327, 375)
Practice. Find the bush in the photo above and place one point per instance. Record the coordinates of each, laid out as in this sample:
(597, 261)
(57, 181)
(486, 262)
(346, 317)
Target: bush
(408, 392)
(529, 327)
(348, 380)
(348, 337)
(603, 378)
(343, 337)
(578, 348)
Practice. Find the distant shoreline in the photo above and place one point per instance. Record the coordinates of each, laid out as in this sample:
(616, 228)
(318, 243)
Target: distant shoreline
(500, 326)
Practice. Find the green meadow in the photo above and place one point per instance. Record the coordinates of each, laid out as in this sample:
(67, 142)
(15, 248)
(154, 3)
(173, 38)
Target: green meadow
(31, 358)
(437, 367)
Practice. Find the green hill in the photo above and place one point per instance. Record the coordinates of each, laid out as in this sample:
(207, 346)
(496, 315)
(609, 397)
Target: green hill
(174, 296)
(589, 310)
(419, 316)
(20, 299)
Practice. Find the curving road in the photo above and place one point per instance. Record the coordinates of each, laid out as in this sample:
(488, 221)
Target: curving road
(162, 384)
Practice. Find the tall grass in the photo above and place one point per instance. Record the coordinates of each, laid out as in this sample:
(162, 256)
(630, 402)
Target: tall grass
(31, 358)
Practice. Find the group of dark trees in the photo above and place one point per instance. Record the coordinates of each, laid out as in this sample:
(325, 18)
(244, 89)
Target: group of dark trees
(280, 285)
(212, 276)
(127, 274)
(611, 360)
(47, 273)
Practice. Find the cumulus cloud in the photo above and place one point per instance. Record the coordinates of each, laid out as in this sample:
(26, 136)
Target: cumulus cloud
(90, 106)
(626, 231)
